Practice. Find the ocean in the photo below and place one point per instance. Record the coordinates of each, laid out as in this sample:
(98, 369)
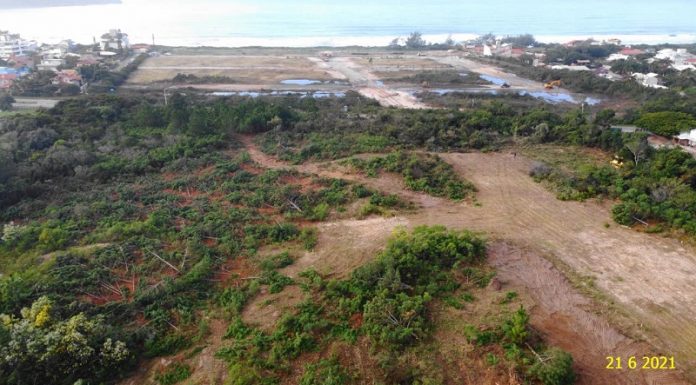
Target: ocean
(370, 23)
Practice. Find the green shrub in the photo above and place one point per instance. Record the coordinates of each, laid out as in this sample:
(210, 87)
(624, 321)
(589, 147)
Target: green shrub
(555, 369)
(320, 212)
(276, 261)
(666, 123)
(515, 328)
(325, 372)
(234, 298)
(421, 172)
(369, 209)
(165, 345)
(396, 321)
(276, 282)
(309, 238)
(244, 373)
(173, 374)
(480, 337)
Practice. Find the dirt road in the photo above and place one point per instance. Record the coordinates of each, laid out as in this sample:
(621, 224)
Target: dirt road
(369, 85)
(648, 275)
(513, 80)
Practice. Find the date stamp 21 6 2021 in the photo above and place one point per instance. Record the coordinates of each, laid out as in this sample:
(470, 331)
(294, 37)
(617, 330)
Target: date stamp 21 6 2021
(640, 363)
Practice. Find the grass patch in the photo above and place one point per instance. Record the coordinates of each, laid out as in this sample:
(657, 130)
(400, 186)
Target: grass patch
(421, 172)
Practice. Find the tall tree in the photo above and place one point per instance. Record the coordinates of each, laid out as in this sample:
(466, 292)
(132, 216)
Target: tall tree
(415, 40)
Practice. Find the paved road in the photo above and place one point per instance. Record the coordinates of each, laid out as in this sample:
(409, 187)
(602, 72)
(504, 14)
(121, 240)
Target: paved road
(33, 103)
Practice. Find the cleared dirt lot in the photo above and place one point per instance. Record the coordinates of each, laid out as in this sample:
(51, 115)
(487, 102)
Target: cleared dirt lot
(649, 276)
(242, 69)
(513, 80)
(395, 63)
(369, 85)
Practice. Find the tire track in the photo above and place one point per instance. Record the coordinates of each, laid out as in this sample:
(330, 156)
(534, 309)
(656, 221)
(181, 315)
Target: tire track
(651, 276)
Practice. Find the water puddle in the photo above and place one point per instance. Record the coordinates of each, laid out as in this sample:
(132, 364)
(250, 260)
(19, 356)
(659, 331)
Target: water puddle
(300, 82)
(548, 97)
(559, 97)
(302, 94)
(493, 79)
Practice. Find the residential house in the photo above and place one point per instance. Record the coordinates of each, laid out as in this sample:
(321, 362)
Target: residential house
(648, 80)
(686, 138)
(87, 60)
(141, 48)
(679, 57)
(631, 52)
(67, 77)
(501, 50)
(114, 40)
(517, 52)
(570, 68)
(21, 61)
(50, 64)
(578, 43)
(14, 45)
(539, 59)
(574, 43)
(6, 80)
(683, 67)
(617, 57)
(9, 75)
(52, 57)
(606, 72)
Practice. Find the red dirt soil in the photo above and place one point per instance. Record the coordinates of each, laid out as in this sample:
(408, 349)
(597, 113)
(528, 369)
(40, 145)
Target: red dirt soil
(649, 276)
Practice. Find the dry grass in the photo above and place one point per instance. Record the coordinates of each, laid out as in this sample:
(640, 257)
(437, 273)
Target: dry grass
(654, 283)
(242, 69)
(399, 63)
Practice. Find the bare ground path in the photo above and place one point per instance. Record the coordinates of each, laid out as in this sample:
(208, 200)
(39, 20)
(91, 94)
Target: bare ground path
(649, 276)
(513, 80)
(370, 86)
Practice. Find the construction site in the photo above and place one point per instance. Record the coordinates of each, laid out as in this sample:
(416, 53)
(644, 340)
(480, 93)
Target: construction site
(392, 78)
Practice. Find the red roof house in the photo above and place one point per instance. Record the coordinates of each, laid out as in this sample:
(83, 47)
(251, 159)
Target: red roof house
(68, 77)
(631, 51)
(6, 80)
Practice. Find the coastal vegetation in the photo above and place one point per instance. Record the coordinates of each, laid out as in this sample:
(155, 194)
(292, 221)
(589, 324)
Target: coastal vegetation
(421, 172)
(126, 223)
(118, 215)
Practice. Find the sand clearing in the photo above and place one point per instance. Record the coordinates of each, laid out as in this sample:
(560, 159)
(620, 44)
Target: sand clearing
(622, 262)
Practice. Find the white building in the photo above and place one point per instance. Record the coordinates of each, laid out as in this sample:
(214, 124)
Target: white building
(617, 56)
(687, 138)
(114, 40)
(569, 68)
(13, 45)
(681, 59)
(51, 58)
(605, 72)
(648, 80)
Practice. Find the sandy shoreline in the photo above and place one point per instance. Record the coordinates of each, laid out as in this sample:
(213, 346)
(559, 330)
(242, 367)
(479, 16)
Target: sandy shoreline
(364, 41)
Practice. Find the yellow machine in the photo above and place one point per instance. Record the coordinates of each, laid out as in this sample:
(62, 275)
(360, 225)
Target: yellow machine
(617, 162)
(551, 85)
